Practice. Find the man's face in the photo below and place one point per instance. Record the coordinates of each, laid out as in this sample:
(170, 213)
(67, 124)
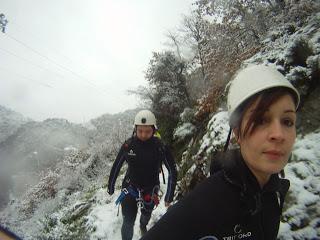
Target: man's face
(144, 132)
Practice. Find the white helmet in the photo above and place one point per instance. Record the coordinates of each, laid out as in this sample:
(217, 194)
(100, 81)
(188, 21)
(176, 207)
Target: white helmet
(145, 117)
(252, 80)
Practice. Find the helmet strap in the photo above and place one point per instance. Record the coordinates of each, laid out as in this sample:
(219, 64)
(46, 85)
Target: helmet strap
(225, 148)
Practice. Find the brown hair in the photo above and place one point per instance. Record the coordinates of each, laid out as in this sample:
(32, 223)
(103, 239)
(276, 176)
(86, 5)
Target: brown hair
(265, 99)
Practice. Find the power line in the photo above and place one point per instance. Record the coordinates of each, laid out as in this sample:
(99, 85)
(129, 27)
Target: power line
(23, 30)
(30, 62)
(26, 78)
(45, 57)
(36, 36)
(33, 64)
(55, 63)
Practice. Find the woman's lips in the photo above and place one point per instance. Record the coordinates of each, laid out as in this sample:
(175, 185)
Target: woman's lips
(273, 154)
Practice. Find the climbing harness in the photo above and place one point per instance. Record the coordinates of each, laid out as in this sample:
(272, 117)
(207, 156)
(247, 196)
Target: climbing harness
(143, 200)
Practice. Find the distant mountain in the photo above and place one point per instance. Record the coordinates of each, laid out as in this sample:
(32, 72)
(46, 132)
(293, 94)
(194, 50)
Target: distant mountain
(30, 148)
(10, 121)
(73, 159)
(118, 125)
(45, 141)
(36, 147)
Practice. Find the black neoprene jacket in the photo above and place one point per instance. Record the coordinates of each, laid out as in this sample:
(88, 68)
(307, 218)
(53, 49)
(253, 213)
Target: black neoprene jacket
(144, 159)
(229, 205)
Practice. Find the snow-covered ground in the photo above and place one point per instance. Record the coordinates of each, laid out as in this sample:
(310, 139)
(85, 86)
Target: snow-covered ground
(107, 222)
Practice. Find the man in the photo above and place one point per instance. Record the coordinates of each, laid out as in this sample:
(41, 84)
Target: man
(144, 154)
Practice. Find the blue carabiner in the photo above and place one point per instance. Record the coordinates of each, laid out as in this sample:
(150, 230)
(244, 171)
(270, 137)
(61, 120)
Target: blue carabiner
(124, 192)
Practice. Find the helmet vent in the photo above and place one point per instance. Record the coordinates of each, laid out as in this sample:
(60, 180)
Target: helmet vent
(143, 120)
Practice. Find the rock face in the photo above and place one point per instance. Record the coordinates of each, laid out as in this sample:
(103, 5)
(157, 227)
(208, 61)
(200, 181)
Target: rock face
(309, 117)
(297, 55)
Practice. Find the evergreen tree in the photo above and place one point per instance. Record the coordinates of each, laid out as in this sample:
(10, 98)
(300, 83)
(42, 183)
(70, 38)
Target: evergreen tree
(166, 75)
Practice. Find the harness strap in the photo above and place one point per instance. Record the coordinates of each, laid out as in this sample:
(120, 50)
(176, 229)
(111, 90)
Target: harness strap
(225, 147)
(142, 200)
(126, 191)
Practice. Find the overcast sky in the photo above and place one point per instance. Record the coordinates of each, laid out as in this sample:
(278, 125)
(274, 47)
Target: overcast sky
(76, 59)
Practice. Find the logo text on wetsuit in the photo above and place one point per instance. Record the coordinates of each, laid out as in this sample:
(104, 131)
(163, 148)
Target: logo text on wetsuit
(238, 234)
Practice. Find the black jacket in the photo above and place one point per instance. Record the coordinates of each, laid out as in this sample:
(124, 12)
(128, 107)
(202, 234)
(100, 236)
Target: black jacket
(229, 205)
(144, 159)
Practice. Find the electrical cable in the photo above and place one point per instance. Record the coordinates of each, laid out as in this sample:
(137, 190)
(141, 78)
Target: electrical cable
(55, 63)
(26, 78)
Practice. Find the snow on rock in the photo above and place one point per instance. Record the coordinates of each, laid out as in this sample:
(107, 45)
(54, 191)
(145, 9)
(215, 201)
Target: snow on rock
(302, 209)
(295, 54)
(217, 132)
(70, 148)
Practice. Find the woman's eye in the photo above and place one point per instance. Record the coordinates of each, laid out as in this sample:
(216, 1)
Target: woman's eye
(262, 121)
(288, 122)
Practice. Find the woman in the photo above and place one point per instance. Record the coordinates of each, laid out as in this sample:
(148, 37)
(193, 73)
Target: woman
(244, 199)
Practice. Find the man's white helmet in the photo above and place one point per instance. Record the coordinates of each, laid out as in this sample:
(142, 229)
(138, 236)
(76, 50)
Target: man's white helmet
(145, 117)
(254, 79)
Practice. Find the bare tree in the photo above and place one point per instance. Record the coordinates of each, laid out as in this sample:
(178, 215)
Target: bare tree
(174, 38)
(193, 27)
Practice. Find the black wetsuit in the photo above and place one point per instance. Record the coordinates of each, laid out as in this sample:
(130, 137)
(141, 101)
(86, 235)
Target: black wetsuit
(229, 205)
(144, 159)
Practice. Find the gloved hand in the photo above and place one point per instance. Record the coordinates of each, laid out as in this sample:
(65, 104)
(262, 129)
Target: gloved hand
(110, 191)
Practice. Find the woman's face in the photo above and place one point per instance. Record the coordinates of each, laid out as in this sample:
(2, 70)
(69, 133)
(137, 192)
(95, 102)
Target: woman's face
(267, 149)
(144, 132)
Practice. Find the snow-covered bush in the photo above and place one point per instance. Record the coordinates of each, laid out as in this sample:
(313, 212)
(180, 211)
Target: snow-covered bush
(45, 189)
(183, 131)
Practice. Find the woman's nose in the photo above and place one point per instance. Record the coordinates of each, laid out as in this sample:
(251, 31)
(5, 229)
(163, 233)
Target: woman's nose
(276, 131)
